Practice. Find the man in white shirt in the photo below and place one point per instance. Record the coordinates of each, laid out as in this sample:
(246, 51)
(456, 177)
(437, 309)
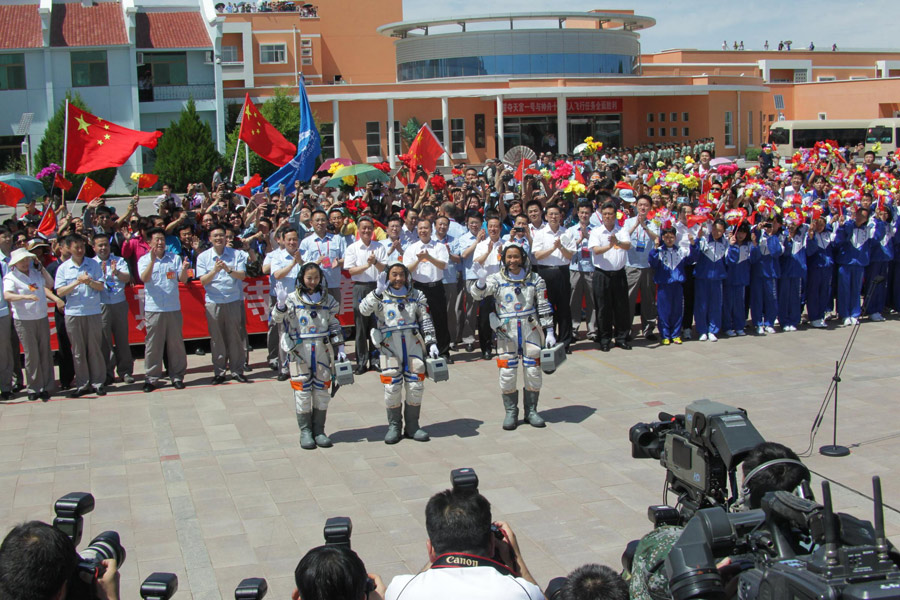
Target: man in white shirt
(114, 311)
(553, 249)
(273, 343)
(487, 254)
(462, 552)
(581, 273)
(364, 260)
(452, 288)
(609, 244)
(285, 267)
(426, 261)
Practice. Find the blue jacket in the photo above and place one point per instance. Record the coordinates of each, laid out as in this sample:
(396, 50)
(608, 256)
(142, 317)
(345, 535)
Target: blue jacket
(668, 263)
(770, 250)
(711, 258)
(820, 250)
(793, 260)
(738, 261)
(853, 245)
(883, 251)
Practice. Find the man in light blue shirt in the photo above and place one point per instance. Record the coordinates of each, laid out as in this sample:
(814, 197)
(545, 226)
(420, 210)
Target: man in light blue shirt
(161, 273)
(581, 273)
(393, 243)
(285, 268)
(451, 279)
(326, 249)
(114, 311)
(643, 234)
(466, 307)
(6, 358)
(222, 270)
(80, 282)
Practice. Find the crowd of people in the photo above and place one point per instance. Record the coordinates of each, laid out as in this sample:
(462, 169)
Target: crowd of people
(303, 9)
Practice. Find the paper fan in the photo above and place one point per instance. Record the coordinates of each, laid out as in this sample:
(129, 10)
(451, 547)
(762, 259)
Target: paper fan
(515, 155)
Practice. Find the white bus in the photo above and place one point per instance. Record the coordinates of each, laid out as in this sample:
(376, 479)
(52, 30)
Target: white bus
(884, 131)
(790, 136)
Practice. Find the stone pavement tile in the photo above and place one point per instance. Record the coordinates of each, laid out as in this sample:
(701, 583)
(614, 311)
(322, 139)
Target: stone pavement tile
(255, 506)
(232, 551)
(268, 531)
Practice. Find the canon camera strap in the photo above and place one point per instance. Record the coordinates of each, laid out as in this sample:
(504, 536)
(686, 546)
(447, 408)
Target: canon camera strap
(460, 560)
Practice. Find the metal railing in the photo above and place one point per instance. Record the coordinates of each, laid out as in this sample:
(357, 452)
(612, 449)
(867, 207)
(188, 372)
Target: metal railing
(199, 91)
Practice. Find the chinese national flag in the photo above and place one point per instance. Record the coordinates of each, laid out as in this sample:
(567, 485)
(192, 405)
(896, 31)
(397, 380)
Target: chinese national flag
(147, 180)
(425, 150)
(246, 190)
(263, 138)
(47, 227)
(10, 195)
(93, 143)
(62, 183)
(90, 189)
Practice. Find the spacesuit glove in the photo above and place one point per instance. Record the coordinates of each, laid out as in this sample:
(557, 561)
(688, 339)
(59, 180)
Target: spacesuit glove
(480, 274)
(341, 354)
(433, 351)
(550, 339)
(381, 284)
(281, 295)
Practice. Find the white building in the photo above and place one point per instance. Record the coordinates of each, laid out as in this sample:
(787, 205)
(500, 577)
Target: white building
(134, 62)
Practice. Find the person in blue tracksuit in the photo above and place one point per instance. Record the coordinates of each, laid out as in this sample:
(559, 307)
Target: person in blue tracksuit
(880, 258)
(894, 301)
(709, 274)
(737, 270)
(668, 262)
(853, 240)
(819, 269)
(793, 271)
(764, 275)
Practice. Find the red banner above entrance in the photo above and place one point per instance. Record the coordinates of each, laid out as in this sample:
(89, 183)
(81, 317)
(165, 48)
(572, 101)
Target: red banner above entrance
(574, 106)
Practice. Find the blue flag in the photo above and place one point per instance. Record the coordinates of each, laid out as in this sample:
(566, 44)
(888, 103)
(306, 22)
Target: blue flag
(309, 146)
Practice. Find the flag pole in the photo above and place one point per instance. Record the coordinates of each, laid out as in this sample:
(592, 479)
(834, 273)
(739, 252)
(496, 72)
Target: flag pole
(237, 150)
(247, 159)
(78, 195)
(65, 138)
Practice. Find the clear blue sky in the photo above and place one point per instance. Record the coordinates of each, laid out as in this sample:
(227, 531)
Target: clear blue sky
(704, 25)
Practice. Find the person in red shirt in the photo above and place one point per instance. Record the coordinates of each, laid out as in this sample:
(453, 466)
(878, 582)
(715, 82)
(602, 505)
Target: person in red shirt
(135, 247)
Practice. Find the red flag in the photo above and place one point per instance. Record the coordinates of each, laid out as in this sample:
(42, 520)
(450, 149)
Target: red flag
(147, 180)
(62, 183)
(425, 150)
(47, 227)
(579, 177)
(90, 189)
(263, 138)
(92, 143)
(520, 170)
(10, 195)
(246, 190)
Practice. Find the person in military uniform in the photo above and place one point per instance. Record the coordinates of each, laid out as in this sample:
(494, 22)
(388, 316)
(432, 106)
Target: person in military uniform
(522, 311)
(403, 321)
(309, 318)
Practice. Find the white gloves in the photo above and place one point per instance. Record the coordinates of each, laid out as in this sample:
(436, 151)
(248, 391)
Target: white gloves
(480, 274)
(341, 354)
(281, 295)
(433, 351)
(550, 340)
(381, 284)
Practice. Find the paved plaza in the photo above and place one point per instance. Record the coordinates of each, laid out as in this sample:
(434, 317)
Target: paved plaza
(211, 484)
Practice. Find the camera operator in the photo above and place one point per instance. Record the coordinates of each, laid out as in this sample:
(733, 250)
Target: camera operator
(334, 572)
(465, 557)
(37, 561)
(647, 574)
(588, 582)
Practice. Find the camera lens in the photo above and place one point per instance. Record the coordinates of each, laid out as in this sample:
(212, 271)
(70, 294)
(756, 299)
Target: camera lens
(104, 547)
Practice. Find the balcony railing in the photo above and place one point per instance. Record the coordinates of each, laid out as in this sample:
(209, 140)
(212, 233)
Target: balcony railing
(200, 91)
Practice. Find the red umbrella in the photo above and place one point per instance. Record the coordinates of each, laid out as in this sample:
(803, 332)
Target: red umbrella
(327, 164)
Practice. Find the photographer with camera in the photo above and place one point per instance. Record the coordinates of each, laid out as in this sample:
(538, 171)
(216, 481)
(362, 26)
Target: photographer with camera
(331, 571)
(588, 582)
(469, 556)
(39, 562)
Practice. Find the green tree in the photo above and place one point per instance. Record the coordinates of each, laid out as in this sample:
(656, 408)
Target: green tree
(186, 152)
(281, 111)
(408, 132)
(50, 149)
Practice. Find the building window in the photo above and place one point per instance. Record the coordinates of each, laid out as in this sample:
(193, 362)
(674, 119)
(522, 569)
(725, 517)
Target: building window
(89, 69)
(750, 128)
(12, 71)
(306, 61)
(373, 139)
(662, 132)
(826, 78)
(685, 131)
(306, 51)
(684, 117)
(270, 54)
(305, 43)
(168, 68)
(458, 137)
(327, 132)
(437, 127)
(662, 117)
(649, 117)
(800, 76)
(673, 117)
(649, 132)
(729, 128)
(230, 54)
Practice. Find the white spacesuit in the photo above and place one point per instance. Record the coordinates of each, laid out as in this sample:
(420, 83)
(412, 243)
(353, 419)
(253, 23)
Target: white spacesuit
(402, 317)
(521, 312)
(309, 318)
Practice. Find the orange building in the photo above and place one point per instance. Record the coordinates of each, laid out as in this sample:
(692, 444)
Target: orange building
(546, 80)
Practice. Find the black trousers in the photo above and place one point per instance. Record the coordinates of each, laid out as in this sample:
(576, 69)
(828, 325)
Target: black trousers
(485, 333)
(437, 306)
(687, 319)
(362, 325)
(559, 294)
(611, 302)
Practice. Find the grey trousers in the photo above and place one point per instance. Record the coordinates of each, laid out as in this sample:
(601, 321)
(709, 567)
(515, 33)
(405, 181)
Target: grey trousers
(451, 291)
(226, 338)
(467, 313)
(14, 344)
(86, 337)
(116, 348)
(35, 337)
(164, 336)
(583, 288)
(273, 339)
(362, 325)
(6, 354)
(642, 280)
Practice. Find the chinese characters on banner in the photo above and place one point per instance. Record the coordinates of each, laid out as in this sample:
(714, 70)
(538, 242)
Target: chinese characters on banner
(577, 106)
